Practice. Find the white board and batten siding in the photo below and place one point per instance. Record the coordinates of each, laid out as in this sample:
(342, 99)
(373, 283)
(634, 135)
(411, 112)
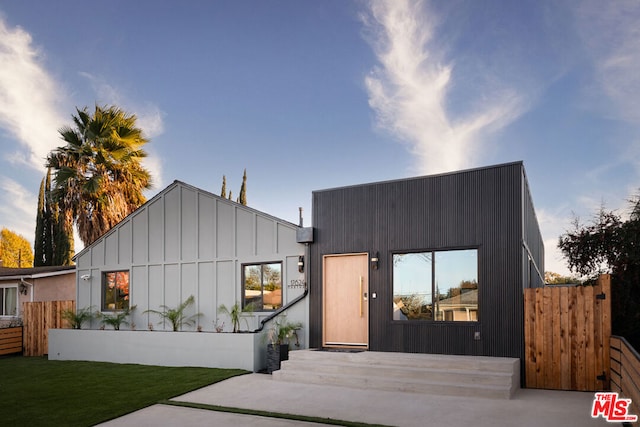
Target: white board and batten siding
(186, 241)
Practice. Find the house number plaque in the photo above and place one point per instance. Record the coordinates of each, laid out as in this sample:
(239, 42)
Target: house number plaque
(297, 284)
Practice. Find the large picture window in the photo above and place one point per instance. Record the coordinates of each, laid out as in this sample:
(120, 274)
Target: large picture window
(436, 285)
(115, 290)
(262, 286)
(9, 301)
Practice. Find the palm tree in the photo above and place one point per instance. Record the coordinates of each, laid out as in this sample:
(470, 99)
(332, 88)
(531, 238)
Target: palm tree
(99, 178)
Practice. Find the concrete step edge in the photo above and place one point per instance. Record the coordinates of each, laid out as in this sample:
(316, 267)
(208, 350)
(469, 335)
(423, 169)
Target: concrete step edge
(434, 387)
(315, 365)
(413, 359)
(431, 378)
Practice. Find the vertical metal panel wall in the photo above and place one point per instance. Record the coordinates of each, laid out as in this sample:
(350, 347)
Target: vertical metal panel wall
(532, 241)
(479, 208)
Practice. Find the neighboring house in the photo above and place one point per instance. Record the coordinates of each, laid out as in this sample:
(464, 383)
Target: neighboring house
(434, 264)
(19, 285)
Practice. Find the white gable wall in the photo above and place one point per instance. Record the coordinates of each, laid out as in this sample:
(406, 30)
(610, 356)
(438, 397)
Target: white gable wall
(189, 242)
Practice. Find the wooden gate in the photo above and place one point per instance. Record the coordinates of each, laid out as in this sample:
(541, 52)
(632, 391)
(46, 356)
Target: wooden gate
(567, 331)
(38, 318)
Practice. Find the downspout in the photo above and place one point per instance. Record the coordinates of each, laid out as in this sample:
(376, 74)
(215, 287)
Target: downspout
(22, 281)
(295, 300)
(533, 261)
(303, 235)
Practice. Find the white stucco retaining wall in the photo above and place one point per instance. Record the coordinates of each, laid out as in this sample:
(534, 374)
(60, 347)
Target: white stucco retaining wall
(204, 349)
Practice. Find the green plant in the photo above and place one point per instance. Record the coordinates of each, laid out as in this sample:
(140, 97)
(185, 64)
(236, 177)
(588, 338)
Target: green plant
(282, 331)
(235, 314)
(116, 319)
(177, 316)
(77, 318)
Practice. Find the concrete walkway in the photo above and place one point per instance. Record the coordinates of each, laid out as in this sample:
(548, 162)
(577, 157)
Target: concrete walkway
(528, 408)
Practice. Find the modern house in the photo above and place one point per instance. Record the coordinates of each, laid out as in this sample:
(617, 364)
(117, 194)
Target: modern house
(47, 283)
(187, 242)
(433, 264)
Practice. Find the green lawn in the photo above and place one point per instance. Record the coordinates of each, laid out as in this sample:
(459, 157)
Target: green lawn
(37, 392)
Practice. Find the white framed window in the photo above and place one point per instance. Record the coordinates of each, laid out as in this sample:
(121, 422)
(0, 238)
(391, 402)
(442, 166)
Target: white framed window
(9, 301)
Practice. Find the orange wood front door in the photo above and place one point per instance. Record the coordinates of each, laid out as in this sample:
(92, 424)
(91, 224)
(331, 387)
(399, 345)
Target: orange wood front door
(345, 301)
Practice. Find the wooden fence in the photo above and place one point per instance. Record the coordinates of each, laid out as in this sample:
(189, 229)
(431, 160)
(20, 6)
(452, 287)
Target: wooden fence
(10, 340)
(38, 318)
(625, 372)
(567, 331)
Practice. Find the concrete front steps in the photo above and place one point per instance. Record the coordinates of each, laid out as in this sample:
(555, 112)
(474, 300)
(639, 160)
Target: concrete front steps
(492, 377)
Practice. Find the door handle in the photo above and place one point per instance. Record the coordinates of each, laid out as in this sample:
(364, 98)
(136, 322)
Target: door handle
(360, 296)
(363, 295)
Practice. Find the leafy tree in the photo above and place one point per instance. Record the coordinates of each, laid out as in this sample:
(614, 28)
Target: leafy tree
(54, 231)
(15, 250)
(552, 278)
(99, 178)
(610, 245)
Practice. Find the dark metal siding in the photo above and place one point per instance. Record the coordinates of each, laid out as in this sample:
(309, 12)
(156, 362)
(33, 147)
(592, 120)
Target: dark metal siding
(534, 256)
(480, 208)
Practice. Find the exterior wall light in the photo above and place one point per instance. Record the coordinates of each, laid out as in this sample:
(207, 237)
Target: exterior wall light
(375, 261)
(301, 264)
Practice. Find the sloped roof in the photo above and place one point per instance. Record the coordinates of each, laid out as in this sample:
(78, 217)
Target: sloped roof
(9, 272)
(467, 298)
(168, 188)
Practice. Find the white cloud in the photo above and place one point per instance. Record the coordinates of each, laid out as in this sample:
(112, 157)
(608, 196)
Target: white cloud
(408, 90)
(29, 98)
(18, 209)
(611, 37)
(554, 223)
(153, 164)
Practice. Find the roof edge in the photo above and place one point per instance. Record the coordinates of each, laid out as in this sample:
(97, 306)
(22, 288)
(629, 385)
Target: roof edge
(390, 181)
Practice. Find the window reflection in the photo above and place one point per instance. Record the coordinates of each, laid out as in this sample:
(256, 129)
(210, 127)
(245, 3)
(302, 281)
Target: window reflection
(262, 286)
(441, 286)
(412, 289)
(115, 290)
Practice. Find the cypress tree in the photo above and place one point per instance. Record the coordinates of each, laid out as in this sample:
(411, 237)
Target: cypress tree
(243, 189)
(49, 209)
(54, 232)
(223, 192)
(39, 258)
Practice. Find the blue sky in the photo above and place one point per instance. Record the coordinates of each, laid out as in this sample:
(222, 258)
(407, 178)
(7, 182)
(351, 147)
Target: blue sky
(312, 95)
